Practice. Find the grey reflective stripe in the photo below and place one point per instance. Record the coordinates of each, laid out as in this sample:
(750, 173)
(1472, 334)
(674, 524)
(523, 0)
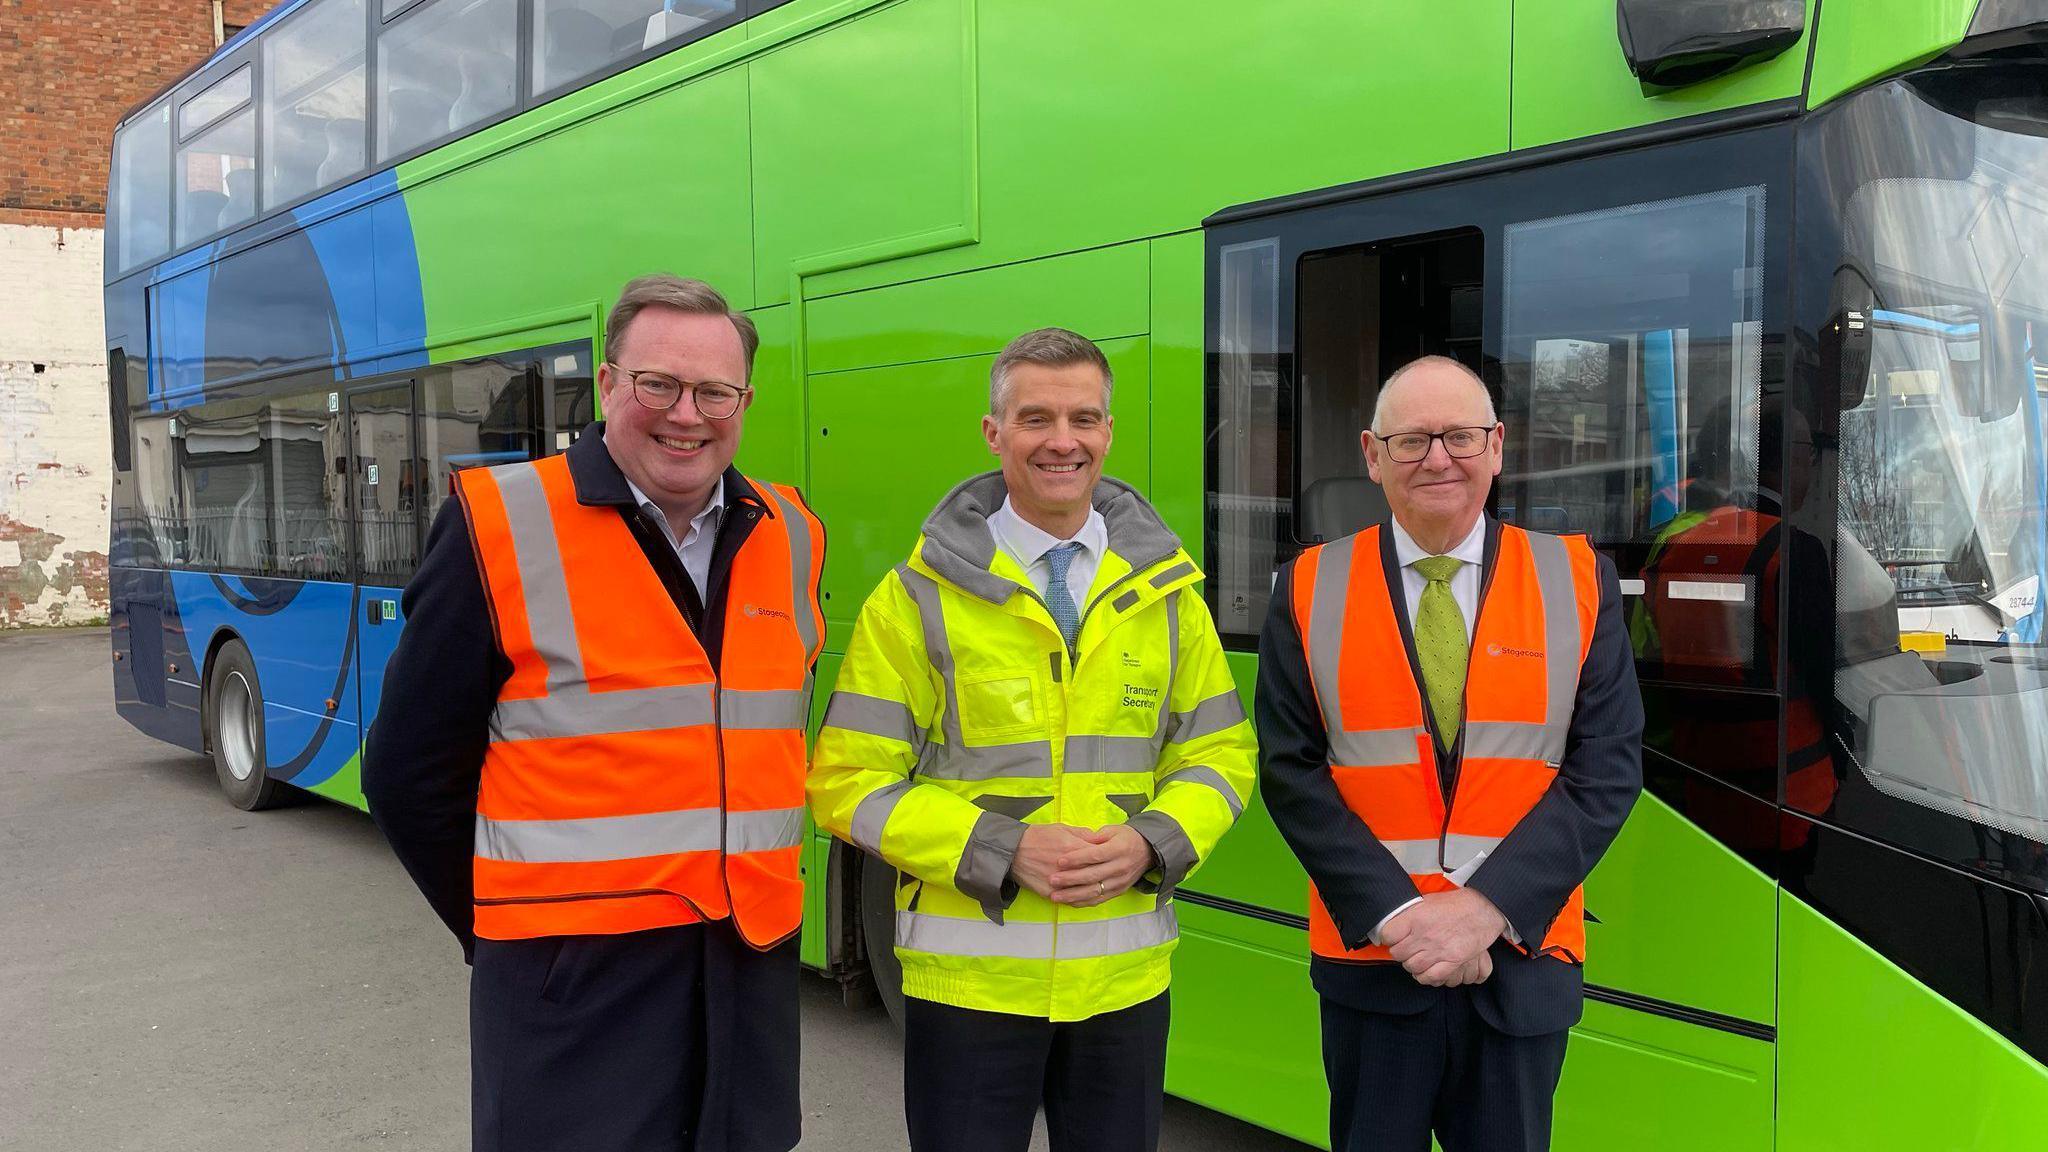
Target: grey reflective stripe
(1219, 713)
(1383, 749)
(1110, 754)
(1560, 636)
(570, 712)
(1016, 940)
(1160, 735)
(799, 532)
(1416, 857)
(1203, 774)
(871, 716)
(763, 831)
(595, 838)
(871, 815)
(1325, 639)
(1031, 759)
(538, 555)
(743, 709)
(1514, 739)
(938, 648)
(1460, 849)
(1179, 570)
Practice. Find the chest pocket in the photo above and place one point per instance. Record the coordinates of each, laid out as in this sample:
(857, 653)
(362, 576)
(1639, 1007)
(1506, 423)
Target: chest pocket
(1000, 704)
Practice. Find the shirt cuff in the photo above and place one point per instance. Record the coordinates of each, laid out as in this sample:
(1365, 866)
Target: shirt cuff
(1380, 927)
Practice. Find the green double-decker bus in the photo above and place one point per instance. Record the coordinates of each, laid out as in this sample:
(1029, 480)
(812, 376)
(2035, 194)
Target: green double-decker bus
(1755, 284)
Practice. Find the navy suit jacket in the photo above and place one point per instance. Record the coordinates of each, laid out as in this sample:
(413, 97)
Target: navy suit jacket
(1532, 873)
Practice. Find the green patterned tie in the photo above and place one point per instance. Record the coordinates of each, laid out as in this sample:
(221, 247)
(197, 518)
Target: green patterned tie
(1440, 643)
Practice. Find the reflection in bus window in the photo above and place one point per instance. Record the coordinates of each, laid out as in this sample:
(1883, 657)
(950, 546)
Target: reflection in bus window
(444, 66)
(578, 38)
(217, 178)
(313, 100)
(1940, 683)
(142, 192)
(1249, 481)
(473, 415)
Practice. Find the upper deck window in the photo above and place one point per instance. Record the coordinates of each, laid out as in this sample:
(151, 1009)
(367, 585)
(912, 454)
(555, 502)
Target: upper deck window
(313, 100)
(142, 193)
(577, 39)
(220, 98)
(217, 177)
(443, 66)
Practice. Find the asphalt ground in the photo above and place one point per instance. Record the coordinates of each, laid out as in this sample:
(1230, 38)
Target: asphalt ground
(176, 974)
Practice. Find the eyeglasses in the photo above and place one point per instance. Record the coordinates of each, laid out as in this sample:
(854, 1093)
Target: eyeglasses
(1460, 443)
(660, 392)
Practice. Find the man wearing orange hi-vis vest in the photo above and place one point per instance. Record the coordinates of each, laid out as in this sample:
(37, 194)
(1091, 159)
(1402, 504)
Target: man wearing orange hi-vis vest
(1450, 738)
(590, 756)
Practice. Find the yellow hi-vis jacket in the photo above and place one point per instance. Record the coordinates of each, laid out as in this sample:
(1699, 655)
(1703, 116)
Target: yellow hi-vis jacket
(959, 718)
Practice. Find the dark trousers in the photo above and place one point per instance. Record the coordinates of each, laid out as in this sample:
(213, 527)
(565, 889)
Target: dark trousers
(973, 1081)
(680, 1039)
(1395, 1079)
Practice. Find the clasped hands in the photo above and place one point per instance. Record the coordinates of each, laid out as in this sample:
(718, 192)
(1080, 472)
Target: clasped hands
(1443, 941)
(1080, 867)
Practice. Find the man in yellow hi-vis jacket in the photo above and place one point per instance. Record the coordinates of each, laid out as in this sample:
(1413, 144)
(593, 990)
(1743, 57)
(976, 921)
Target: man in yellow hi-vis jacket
(1035, 724)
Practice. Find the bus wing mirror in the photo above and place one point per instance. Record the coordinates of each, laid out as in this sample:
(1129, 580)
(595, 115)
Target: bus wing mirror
(1672, 43)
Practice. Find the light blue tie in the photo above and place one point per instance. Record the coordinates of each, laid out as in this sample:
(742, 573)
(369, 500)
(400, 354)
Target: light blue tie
(1058, 600)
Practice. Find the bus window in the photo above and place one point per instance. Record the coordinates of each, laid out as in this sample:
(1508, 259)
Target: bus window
(217, 161)
(1248, 512)
(577, 39)
(142, 192)
(313, 100)
(302, 439)
(565, 378)
(472, 415)
(444, 66)
(159, 498)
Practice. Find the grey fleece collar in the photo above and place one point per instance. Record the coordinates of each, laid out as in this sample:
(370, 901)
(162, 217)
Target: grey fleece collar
(959, 547)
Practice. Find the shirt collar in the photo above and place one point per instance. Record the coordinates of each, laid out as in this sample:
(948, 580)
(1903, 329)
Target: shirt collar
(1472, 549)
(1028, 542)
(713, 508)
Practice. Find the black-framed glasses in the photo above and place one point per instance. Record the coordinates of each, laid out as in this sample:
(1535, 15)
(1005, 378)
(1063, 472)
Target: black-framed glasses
(660, 391)
(1460, 443)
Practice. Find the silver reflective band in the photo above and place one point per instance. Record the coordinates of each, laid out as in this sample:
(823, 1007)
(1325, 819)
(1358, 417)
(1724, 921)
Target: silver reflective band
(1387, 748)
(871, 815)
(595, 838)
(569, 712)
(1515, 740)
(1461, 849)
(1219, 713)
(1325, 639)
(1416, 857)
(798, 530)
(1110, 754)
(763, 831)
(1030, 760)
(1016, 940)
(745, 710)
(1203, 774)
(550, 623)
(1184, 568)
(871, 716)
(1560, 631)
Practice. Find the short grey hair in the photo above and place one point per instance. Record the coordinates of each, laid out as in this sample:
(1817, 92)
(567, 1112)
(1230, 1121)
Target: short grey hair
(1421, 362)
(1047, 348)
(666, 290)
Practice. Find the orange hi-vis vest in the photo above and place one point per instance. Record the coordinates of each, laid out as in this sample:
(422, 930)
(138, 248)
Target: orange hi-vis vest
(627, 785)
(1534, 628)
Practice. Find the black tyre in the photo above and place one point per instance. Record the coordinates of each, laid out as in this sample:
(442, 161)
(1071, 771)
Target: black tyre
(878, 933)
(234, 726)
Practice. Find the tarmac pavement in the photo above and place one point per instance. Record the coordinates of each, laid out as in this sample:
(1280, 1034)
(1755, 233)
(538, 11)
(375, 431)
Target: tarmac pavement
(177, 975)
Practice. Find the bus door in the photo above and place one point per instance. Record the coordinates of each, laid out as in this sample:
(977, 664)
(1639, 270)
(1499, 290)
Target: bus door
(384, 505)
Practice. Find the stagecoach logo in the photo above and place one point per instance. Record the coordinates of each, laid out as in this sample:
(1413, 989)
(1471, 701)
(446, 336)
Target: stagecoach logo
(757, 610)
(1504, 650)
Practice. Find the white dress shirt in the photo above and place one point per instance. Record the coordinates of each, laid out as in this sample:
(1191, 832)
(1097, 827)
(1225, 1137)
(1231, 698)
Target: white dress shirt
(694, 549)
(1027, 544)
(1465, 590)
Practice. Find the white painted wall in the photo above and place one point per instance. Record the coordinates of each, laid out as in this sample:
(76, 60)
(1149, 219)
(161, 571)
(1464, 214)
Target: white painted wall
(54, 456)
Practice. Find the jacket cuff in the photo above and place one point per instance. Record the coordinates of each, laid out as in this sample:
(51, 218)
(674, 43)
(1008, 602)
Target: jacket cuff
(1170, 847)
(984, 871)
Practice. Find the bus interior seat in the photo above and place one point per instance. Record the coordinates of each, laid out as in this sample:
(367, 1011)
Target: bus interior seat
(1336, 506)
(241, 205)
(344, 150)
(414, 116)
(486, 87)
(202, 214)
(578, 43)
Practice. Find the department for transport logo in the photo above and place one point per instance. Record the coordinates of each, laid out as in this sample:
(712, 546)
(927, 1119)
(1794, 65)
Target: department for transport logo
(1505, 650)
(757, 610)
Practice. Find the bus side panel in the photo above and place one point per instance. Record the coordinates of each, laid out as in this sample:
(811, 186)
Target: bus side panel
(147, 641)
(1872, 1058)
(1634, 1081)
(1867, 39)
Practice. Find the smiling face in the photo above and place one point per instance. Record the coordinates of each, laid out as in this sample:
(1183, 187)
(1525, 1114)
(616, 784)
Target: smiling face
(1438, 498)
(674, 456)
(1051, 436)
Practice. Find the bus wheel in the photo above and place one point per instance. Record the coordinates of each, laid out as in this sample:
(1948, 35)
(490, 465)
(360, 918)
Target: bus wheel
(878, 933)
(234, 706)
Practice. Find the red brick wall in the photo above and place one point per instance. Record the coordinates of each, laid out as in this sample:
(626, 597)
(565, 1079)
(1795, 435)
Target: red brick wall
(68, 70)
